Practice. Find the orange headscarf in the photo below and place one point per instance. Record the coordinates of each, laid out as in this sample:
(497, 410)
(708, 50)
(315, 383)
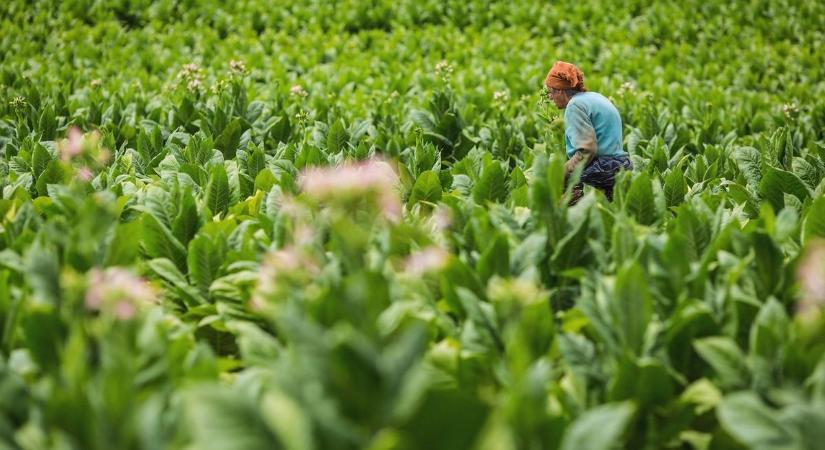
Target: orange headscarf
(564, 75)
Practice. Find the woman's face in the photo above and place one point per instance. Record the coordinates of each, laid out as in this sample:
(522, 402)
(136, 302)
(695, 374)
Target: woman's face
(559, 97)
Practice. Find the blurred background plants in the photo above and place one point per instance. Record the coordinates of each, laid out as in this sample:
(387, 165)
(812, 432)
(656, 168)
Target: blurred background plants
(341, 225)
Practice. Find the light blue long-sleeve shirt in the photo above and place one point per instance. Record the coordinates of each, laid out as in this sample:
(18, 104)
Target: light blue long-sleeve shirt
(591, 116)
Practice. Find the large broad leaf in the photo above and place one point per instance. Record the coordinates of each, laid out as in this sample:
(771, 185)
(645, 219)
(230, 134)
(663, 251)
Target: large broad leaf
(279, 128)
(176, 281)
(52, 174)
(600, 428)
(47, 123)
(492, 185)
(631, 306)
(570, 248)
(229, 139)
(40, 159)
(337, 137)
(768, 259)
(777, 182)
(158, 242)
(752, 423)
(495, 260)
(640, 202)
(769, 331)
(529, 253)
(748, 161)
(186, 222)
(43, 274)
(647, 381)
(446, 420)
(814, 226)
(692, 319)
(255, 163)
(675, 187)
(217, 190)
(423, 119)
(220, 418)
(204, 261)
(125, 244)
(726, 359)
(44, 335)
(427, 188)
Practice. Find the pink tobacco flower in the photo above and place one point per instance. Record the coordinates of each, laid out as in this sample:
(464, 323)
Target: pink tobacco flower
(372, 176)
(118, 292)
(84, 174)
(811, 276)
(430, 259)
(73, 146)
(280, 271)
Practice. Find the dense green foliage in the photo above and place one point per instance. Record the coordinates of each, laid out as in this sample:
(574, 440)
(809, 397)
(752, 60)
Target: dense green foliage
(176, 272)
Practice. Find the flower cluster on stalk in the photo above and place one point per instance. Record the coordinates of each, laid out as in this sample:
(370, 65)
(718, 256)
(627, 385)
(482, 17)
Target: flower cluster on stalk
(81, 153)
(118, 292)
(355, 180)
(298, 91)
(443, 70)
(191, 76)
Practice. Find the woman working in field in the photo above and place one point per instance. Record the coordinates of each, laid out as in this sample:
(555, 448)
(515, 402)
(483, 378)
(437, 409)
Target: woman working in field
(592, 130)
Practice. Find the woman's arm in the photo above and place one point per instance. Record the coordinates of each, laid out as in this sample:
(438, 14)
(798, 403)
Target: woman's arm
(582, 136)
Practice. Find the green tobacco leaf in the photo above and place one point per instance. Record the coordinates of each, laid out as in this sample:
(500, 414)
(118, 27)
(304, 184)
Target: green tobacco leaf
(43, 332)
(748, 160)
(647, 381)
(640, 202)
(204, 261)
(125, 244)
(229, 139)
(769, 331)
(768, 257)
(529, 253)
(675, 187)
(337, 137)
(40, 159)
(752, 423)
(814, 226)
(158, 242)
(495, 260)
(265, 180)
(600, 428)
(692, 319)
(777, 182)
(569, 250)
(186, 222)
(492, 185)
(631, 306)
(43, 274)
(426, 188)
(168, 272)
(446, 420)
(726, 359)
(217, 190)
(52, 174)
(221, 418)
(256, 162)
(279, 129)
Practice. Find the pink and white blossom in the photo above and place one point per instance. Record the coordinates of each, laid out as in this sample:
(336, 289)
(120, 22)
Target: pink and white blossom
(429, 259)
(118, 292)
(350, 179)
(811, 276)
(73, 145)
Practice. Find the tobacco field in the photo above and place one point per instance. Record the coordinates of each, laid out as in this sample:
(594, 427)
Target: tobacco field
(342, 225)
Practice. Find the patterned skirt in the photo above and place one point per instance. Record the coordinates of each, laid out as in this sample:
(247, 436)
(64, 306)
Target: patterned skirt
(601, 174)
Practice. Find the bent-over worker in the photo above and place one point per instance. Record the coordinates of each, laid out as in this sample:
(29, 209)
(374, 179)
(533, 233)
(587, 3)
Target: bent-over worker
(592, 130)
